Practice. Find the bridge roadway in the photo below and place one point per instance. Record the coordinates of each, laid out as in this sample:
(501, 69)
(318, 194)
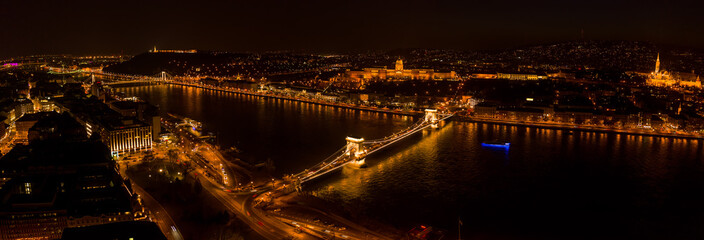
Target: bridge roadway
(116, 78)
(347, 155)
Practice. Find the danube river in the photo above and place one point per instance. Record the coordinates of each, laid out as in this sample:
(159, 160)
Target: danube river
(550, 185)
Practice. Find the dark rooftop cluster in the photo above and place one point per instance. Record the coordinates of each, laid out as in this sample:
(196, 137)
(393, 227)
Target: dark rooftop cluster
(60, 179)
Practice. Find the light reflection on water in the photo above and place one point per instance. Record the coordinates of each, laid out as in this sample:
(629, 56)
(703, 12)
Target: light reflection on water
(550, 184)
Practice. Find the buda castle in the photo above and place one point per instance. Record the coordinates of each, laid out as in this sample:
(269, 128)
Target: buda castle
(398, 73)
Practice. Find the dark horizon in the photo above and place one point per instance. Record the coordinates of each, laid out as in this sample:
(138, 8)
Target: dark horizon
(85, 27)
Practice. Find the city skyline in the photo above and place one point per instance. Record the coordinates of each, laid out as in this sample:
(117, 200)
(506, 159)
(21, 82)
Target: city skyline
(84, 27)
(351, 120)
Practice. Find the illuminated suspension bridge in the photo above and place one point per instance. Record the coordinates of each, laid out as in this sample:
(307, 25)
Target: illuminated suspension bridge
(115, 78)
(118, 78)
(358, 148)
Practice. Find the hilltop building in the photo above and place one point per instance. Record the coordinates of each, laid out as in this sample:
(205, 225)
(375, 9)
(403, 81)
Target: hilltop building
(662, 78)
(398, 73)
(154, 50)
(521, 76)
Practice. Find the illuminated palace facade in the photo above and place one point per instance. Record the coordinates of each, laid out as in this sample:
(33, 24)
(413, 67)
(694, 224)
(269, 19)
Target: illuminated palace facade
(662, 78)
(398, 73)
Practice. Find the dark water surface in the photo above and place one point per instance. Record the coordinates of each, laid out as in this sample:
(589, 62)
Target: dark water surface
(549, 185)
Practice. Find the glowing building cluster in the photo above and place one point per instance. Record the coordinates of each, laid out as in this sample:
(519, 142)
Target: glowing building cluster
(128, 136)
(664, 78)
(121, 133)
(398, 73)
(172, 51)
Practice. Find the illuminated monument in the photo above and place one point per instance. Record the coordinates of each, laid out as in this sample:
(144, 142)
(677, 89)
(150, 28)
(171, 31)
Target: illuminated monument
(664, 78)
(398, 73)
(154, 50)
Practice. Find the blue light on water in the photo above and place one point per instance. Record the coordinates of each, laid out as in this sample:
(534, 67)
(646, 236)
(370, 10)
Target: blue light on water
(497, 145)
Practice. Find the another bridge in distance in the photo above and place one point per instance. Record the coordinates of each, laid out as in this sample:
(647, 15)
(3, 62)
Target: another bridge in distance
(114, 78)
(117, 78)
(357, 148)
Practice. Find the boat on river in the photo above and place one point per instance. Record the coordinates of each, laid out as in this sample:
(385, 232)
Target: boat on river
(497, 144)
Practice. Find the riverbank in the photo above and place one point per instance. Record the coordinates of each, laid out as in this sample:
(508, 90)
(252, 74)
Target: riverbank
(575, 127)
(305, 100)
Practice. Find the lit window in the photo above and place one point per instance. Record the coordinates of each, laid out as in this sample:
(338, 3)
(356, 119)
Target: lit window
(28, 188)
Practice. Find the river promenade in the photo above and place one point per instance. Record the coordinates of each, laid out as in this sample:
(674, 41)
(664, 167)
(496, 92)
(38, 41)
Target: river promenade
(303, 99)
(580, 127)
(466, 118)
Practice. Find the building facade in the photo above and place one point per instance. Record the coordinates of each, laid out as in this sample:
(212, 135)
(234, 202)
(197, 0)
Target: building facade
(662, 78)
(41, 224)
(120, 133)
(398, 73)
(128, 137)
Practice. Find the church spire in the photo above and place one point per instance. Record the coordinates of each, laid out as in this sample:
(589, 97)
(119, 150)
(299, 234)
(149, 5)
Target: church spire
(657, 64)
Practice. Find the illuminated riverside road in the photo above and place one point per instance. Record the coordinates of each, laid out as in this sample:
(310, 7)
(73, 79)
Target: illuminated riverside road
(550, 185)
(159, 214)
(585, 127)
(267, 227)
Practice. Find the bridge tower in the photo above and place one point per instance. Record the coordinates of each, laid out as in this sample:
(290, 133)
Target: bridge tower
(355, 148)
(163, 76)
(431, 116)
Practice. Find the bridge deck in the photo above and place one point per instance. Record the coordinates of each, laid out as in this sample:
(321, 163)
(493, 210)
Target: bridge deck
(341, 157)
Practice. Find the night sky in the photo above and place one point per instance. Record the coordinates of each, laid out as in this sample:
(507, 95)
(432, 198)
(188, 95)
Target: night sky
(98, 27)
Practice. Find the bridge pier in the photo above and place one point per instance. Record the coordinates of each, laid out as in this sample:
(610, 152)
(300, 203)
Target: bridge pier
(355, 148)
(431, 116)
